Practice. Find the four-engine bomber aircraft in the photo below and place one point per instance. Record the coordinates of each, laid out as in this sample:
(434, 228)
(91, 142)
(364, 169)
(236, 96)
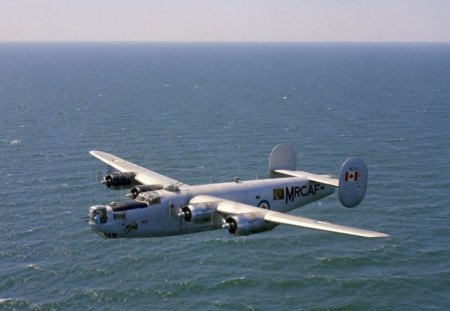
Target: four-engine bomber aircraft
(162, 206)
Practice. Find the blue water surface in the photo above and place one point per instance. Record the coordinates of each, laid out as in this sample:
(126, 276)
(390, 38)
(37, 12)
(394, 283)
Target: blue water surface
(204, 113)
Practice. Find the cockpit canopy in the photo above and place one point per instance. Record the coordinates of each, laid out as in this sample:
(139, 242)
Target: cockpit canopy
(149, 197)
(126, 205)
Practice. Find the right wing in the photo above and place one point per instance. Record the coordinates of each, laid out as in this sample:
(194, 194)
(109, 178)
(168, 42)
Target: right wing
(227, 208)
(143, 175)
(287, 219)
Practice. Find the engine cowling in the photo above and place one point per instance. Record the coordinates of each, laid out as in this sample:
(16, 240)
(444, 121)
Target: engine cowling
(197, 213)
(119, 180)
(136, 190)
(244, 224)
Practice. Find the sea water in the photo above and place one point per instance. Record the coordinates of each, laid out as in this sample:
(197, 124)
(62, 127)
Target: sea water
(203, 113)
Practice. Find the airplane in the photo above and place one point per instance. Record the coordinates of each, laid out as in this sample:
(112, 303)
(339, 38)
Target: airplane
(161, 206)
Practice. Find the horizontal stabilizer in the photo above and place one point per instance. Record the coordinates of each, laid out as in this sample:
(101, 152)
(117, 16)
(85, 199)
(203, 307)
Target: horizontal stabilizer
(323, 179)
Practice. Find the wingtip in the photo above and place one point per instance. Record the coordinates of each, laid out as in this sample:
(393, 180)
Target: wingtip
(95, 153)
(378, 235)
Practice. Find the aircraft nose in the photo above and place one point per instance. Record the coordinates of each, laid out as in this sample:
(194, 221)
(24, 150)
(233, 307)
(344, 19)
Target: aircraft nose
(98, 221)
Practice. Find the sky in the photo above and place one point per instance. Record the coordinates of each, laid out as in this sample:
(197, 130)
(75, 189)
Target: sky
(226, 20)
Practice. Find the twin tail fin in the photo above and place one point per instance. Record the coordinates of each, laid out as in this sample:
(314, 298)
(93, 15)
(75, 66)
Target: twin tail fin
(352, 181)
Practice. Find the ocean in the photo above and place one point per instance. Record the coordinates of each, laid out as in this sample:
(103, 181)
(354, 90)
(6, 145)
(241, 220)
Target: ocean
(203, 113)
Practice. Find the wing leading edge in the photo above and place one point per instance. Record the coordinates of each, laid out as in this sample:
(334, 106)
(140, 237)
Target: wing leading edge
(227, 208)
(143, 175)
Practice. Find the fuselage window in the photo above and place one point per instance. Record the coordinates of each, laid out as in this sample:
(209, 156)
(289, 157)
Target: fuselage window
(118, 215)
(156, 200)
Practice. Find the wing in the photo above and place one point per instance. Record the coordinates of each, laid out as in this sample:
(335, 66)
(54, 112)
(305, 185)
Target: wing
(143, 175)
(323, 179)
(227, 208)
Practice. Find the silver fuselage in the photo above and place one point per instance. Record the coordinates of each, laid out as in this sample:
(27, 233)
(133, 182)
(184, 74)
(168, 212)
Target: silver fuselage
(161, 218)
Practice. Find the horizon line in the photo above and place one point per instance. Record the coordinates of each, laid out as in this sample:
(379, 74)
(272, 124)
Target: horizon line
(212, 42)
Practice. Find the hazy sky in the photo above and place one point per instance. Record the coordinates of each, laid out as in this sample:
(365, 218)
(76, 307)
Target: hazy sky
(225, 20)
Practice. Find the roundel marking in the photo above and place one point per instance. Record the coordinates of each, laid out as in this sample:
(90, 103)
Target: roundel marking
(264, 204)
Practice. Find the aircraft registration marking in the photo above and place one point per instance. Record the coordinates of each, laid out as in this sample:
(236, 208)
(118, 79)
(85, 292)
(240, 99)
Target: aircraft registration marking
(301, 191)
(289, 194)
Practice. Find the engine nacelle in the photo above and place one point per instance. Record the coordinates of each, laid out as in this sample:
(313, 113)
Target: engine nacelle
(136, 190)
(245, 224)
(119, 180)
(197, 213)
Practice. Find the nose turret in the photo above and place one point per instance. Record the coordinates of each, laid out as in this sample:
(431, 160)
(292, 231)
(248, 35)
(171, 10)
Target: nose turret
(97, 214)
(98, 220)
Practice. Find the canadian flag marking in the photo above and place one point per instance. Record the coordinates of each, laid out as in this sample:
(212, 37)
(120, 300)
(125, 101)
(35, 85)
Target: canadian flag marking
(351, 176)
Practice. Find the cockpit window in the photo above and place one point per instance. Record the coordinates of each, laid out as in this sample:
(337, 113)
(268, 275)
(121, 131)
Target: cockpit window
(156, 200)
(126, 205)
(149, 197)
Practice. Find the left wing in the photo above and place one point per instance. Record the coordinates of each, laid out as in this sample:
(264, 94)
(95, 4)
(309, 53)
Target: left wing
(143, 175)
(227, 208)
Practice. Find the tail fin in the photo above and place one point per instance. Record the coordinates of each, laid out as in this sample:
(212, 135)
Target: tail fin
(352, 182)
(283, 157)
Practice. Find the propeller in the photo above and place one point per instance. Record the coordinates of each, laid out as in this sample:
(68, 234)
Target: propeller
(99, 177)
(107, 180)
(230, 225)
